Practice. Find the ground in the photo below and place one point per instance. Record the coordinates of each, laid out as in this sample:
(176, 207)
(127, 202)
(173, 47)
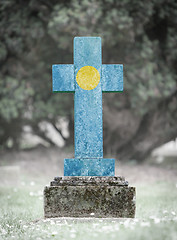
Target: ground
(24, 174)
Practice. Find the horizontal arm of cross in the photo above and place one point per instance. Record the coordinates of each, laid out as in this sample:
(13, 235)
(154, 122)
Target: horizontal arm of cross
(112, 77)
(63, 78)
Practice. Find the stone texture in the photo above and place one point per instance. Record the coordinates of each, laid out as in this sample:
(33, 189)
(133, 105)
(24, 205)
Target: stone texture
(84, 181)
(88, 103)
(88, 126)
(63, 78)
(89, 167)
(112, 77)
(89, 197)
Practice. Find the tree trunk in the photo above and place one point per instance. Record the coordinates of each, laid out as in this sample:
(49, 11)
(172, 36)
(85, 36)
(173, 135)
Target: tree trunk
(156, 127)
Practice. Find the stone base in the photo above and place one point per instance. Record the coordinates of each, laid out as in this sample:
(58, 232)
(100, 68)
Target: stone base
(89, 167)
(106, 197)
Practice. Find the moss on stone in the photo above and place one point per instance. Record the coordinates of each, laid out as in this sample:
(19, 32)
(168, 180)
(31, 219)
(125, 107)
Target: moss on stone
(80, 200)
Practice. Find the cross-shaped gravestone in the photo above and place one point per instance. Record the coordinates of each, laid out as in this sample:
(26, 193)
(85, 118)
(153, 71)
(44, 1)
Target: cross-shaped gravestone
(88, 78)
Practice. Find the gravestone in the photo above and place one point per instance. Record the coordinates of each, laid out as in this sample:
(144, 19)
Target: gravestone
(89, 187)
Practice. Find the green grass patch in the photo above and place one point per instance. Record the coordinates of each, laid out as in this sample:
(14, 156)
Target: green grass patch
(21, 216)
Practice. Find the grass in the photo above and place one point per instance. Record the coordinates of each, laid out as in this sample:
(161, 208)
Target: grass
(21, 216)
(21, 202)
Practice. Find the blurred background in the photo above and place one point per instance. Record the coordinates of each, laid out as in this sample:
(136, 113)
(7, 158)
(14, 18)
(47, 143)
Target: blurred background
(140, 123)
(139, 34)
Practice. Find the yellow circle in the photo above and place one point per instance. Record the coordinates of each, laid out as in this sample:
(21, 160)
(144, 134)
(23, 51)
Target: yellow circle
(88, 77)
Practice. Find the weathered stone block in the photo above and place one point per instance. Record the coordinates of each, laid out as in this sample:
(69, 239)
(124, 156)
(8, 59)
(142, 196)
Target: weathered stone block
(83, 196)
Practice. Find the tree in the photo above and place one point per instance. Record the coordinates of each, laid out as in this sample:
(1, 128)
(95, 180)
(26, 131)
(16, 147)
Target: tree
(141, 35)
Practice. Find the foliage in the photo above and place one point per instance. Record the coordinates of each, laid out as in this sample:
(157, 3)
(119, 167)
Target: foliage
(36, 34)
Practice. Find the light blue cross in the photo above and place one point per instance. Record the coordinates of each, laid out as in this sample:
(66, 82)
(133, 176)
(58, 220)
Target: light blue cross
(88, 129)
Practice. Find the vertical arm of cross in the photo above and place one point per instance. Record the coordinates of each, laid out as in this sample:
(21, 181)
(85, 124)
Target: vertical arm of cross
(88, 102)
(63, 78)
(112, 77)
